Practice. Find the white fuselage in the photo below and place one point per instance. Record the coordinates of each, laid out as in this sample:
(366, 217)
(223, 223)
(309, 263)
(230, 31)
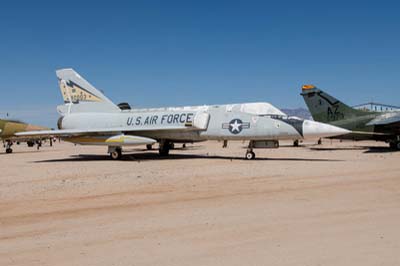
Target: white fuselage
(257, 121)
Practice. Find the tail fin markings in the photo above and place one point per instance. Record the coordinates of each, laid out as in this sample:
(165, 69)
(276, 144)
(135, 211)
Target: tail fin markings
(80, 96)
(325, 108)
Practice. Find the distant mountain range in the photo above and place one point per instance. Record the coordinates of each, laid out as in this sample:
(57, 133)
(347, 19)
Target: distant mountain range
(299, 112)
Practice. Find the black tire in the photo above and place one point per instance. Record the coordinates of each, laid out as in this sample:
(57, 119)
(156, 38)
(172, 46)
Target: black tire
(149, 147)
(395, 145)
(116, 155)
(9, 150)
(164, 149)
(250, 155)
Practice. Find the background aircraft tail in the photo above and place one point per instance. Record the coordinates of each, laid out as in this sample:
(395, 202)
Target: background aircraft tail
(80, 96)
(325, 108)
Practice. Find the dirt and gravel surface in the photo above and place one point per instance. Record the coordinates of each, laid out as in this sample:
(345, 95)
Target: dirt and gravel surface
(335, 204)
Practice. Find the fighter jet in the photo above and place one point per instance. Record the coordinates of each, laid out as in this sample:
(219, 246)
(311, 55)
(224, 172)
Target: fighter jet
(88, 117)
(8, 130)
(365, 125)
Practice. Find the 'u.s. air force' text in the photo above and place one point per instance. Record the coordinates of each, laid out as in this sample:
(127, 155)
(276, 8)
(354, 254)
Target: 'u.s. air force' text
(182, 118)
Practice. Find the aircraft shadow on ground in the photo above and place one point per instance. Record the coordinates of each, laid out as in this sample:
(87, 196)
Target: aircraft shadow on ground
(366, 149)
(152, 156)
(339, 149)
(380, 150)
(25, 152)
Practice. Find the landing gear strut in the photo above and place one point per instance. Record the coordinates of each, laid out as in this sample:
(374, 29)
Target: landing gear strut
(225, 145)
(250, 155)
(165, 146)
(8, 147)
(39, 144)
(115, 153)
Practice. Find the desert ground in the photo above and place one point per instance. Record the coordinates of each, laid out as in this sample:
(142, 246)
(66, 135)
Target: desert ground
(332, 204)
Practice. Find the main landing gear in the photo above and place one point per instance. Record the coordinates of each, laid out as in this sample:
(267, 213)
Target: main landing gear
(165, 146)
(8, 146)
(395, 145)
(115, 153)
(30, 143)
(296, 143)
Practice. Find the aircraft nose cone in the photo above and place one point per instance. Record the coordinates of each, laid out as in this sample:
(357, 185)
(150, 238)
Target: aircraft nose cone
(312, 129)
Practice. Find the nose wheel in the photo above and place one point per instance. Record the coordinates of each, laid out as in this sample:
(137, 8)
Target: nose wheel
(250, 155)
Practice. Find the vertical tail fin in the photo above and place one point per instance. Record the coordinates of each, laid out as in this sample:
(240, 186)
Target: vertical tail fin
(80, 96)
(325, 108)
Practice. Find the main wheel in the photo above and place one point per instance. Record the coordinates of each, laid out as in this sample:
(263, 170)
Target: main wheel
(116, 155)
(394, 145)
(296, 143)
(9, 150)
(149, 147)
(250, 155)
(164, 148)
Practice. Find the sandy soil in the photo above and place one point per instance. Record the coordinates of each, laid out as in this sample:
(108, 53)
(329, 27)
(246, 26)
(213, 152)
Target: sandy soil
(335, 204)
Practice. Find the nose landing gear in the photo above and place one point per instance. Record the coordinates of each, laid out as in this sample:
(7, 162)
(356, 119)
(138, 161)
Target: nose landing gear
(250, 155)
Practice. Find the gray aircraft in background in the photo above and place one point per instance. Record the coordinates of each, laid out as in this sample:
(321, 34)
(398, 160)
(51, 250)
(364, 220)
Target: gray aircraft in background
(88, 117)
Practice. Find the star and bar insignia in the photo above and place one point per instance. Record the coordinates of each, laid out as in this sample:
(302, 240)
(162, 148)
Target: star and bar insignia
(236, 126)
